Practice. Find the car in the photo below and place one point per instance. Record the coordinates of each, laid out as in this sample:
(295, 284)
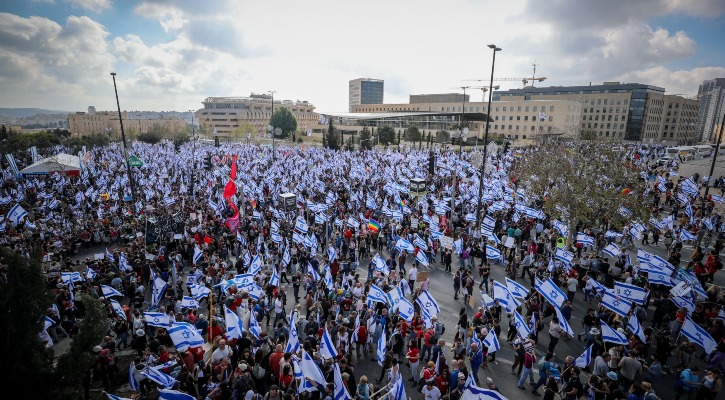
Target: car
(665, 160)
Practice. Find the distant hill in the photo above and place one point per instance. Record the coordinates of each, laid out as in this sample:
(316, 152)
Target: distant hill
(27, 112)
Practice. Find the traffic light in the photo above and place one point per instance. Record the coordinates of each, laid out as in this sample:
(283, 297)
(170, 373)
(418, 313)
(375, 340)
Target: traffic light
(207, 162)
(431, 163)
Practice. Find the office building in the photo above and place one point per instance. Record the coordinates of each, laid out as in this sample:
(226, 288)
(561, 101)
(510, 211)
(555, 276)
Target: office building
(225, 114)
(92, 122)
(365, 91)
(712, 107)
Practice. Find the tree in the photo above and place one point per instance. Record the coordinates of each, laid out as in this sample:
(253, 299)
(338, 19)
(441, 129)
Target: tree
(24, 299)
(412, 134)
(331, 141)
(582, 185)
(243, 131)
(587, 134)
(386, 134)
(350, 144)
(366, 139)
(443, 137)
(155, 134)
(284, 120)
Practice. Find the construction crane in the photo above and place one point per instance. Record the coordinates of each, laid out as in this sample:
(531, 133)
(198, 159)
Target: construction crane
(533, 78)
(484, 89)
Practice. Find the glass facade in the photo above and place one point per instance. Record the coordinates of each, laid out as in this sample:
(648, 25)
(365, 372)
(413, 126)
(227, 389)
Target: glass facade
(371, 92)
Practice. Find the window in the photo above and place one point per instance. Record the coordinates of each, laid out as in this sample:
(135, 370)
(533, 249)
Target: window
(497, 108)
(526, 109)
(526, 117)
(504, 108)
(448, 109)
(443, 108)
(599, 102)
(518, 118)
(621, 126)
(535, 108)
(495, 127)
(551, 108)
(519, 108)
(619, 101)
(511, 117)
(510, 126)
(532, 127)
(497, 118)
(605, 102)
(551, 118)
(609, 125)
(626, 101)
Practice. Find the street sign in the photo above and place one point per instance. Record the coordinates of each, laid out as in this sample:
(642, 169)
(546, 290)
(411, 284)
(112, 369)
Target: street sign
(135, 161)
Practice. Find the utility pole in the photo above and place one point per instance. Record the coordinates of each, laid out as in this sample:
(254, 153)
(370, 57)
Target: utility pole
(123, 137)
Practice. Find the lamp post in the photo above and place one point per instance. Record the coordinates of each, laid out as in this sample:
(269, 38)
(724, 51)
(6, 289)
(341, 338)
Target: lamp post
(272, 92)
(193, 153)
(485, 139)
(123, 138)
(463, 114)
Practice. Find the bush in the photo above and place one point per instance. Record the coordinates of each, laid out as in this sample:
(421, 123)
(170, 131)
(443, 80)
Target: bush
(299, 139)
(150, 137)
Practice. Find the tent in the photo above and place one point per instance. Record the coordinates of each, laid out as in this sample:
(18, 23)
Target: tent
(63, 163)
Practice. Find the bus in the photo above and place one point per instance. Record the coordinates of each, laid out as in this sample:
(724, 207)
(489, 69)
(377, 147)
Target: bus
(721, 150)
(704, 150)
(685, 152)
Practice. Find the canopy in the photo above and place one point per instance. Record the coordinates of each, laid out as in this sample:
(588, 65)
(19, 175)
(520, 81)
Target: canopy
(63, 163)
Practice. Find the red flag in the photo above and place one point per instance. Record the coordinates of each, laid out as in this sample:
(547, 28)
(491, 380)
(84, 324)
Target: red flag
(231, 188)
(233, 222)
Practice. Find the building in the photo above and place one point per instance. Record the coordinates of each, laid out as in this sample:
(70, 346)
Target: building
(672, 120)
(92, 122)
(612, 111)
(712, 107)
(365, 91)
(524, 121)
(225, 114)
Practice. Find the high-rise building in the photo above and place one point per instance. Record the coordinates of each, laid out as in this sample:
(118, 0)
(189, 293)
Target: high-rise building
(612, 110)
(366, 91)
(712, 107)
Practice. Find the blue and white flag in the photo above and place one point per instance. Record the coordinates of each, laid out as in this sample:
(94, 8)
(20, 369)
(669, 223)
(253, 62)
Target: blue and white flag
(109, 256)
(310, 369)
(340, 390)
(611, 336)
(301, 225)
(516, 289)
(698, 335)
(563, 323)
(659, 278)
(109, 291)
(199, 291)
(329, 282)
(91, 274)
(397, 390)
(717, 199)
(327, 348)
(377, 295)
(293, 342)
(185, 335)
(552, 293)
(422, 258)
(491, 341)
(617, 304)
(274, 279)
(564, 256)
(521, 326)
(313, 272)
(157, 319)
(493, 253)
(427, 302)
(13, 165)
(559, 226)
(403, 244)
(174, 395)
(406, 309)
(16, 213)
(631, 292)
(123, 265)
(254, 327)
(197, 254)
(685, 236)
(584, 239)
(612, 250)
(634, 326)
(68, 277)
(331, 253)
(256, 265)
(189, 302)
(684, 302)
(132, 382)
(418, 241)
(159, 377)
(117, 308)
(585, 359)
(488, 224)
(612, 234)
(234, 326)
(380, 354)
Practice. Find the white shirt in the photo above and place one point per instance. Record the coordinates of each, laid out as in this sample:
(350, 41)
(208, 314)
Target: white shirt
(413, 274)
(432, 394)
(219, 354)
(278, 305)
(571, 284)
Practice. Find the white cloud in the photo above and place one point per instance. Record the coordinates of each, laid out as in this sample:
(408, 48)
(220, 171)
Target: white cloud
(681, 81)
(91, 5)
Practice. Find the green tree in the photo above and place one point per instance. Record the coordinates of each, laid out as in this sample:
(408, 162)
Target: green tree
(284, 120)
(387, 135)
(582, 185)
(241, 132)
(331, 140)
(155, 134)
(412, 134)
(587, 134)
(443, 137)
(350, 144)
(366, 139)
(24, 298)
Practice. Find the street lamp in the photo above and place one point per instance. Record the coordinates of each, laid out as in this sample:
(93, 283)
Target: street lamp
(193, 153)
(271, 128)
(123, 138)
(463, 131)
(485, 138)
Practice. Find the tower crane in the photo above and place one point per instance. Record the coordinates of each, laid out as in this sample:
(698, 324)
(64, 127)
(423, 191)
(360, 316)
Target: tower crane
(533, 78)
(483, 89)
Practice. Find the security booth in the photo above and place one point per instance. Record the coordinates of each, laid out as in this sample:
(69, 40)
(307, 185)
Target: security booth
(288, 202)
(417, 186)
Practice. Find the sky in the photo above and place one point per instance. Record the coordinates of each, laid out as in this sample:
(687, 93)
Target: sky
(172, 54)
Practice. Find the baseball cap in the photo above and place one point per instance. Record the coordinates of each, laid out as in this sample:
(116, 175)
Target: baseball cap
(612, 375)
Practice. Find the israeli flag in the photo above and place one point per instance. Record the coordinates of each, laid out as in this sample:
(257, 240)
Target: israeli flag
(501, 293)
(353, 223)
(616, 304)
(427, 302)
(491, 341)
(331, 253)
(109, 291)
(564, 256)
(174, 395)
(91, 274)
(301, 225)
(109, 256)
(494, 238)
(584, 239)
(406, 310)
(516, 289)
(381, 349)
(612, 336)
(631, 292)
(684, 302)
(488, 224)
(256, 265)
(634, 326)
(717, 199)
(552, 293)
(157, 319)
(254, 327)
(327, 348)
(169, 201)
(403, 244)
(118, 309)
(199, 291)
(68, 277)
(233, 323)
(559, 226)
(159, 377)
(340, 390)
(157, 289)
(458, 246)
(623, 211)
(685, 236)
(493, 253)
(612, 250)
(659, 278)
(521, 326)
(310, 369)
(189, 302)
(313, 272)
(420, 243)
(487, 301)
(293, 342)
(274, 279)
(16, 213)
(197, 254)
(698, 335)
(612, 234)
(377, 295)
(132, 382)
(255, 291)
(422, 258)
(185, 335)
(585, 359)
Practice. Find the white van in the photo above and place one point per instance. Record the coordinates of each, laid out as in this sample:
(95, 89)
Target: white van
(704, 150)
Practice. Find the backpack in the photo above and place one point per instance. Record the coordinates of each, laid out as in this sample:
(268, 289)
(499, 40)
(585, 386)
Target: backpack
(258, 372)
